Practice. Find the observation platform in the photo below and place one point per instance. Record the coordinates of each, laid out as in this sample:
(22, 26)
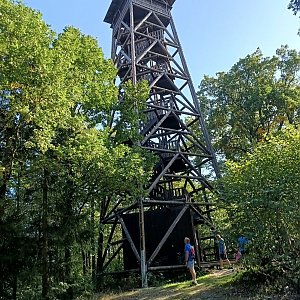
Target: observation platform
(116, 5)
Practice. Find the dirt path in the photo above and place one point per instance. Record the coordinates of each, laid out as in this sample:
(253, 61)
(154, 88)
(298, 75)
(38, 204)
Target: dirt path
(212, 286)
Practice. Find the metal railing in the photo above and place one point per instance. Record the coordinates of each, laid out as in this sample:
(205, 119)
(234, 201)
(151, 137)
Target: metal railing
(161, 193)
(154, 5)
(157, 34)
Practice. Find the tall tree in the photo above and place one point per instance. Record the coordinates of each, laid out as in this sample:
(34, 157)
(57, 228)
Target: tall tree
(262, 199)
(255, 97)
(59, 152)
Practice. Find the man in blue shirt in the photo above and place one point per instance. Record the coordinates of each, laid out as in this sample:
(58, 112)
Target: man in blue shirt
(222, 252)
(242, 242)
(189, 255)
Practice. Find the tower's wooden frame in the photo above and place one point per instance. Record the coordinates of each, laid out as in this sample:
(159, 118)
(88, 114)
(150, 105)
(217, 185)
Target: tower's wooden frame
(145, 46)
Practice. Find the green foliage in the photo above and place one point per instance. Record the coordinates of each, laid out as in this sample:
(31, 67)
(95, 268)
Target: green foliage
(294, 5)
(280, 276)
(131, 111)
(67, 143)
(61, 154)
(255, 98)
(262, 201)
(253, 114)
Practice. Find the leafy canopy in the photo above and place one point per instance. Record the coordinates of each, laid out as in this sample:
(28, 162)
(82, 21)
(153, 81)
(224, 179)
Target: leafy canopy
(256, 97)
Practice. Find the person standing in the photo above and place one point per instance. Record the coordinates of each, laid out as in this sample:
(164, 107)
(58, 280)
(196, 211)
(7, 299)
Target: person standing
(189, 255)
(242, 243)
(222, 252)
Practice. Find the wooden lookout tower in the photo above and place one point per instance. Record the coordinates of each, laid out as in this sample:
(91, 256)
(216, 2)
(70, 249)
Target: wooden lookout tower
(145, 46)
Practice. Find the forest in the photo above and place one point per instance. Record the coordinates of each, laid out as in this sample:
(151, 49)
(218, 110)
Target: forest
(63, 151)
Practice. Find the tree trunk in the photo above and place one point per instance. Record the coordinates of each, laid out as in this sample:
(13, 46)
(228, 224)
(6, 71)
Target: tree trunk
(83, 257)
(100, 250)
(15, 286)
(68, 223)
(70, 293)
(100, 259)
(94, 271)
(45, 264)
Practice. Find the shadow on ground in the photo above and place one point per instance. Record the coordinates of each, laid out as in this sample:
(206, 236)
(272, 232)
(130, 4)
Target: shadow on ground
(212, 286)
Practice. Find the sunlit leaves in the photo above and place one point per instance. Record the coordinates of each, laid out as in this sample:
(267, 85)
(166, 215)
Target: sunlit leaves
(131, 111)
(87, 74)
(62, 150)
(263, 192)
(256, 97)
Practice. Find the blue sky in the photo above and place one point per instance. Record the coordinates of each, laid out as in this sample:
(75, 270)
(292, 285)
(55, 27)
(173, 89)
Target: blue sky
(214, 34)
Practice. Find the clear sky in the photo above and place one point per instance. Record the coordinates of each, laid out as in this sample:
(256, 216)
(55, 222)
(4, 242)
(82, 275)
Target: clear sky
(214, 34)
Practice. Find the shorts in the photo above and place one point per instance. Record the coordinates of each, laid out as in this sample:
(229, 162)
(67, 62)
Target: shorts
(223, 256)
(190, 264)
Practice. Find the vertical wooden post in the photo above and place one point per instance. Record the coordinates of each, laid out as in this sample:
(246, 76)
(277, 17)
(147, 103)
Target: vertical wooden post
(45, 264)
(133, 55)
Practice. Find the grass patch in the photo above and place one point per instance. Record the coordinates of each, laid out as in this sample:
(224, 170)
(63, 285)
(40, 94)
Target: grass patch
(218, 285)
(210, 280)
(211, 285)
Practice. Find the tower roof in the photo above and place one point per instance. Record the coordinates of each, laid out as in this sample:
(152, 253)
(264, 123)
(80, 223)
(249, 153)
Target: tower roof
(115, 4)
